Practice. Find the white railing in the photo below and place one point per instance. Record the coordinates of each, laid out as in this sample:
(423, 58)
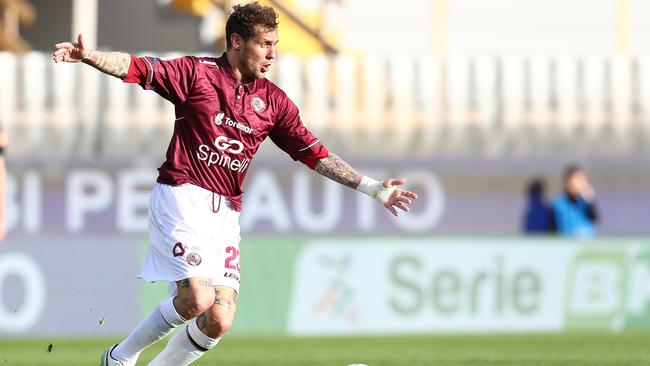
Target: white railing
(419, 104)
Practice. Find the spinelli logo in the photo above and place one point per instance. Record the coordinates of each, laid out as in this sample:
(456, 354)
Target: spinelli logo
(231, 145)
(222, 157)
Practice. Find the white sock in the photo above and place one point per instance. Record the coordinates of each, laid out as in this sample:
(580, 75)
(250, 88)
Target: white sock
(185, 347)
(160, 322)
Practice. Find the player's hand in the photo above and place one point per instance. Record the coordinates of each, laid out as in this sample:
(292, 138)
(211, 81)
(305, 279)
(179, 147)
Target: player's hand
(400, 198)
(70, 52)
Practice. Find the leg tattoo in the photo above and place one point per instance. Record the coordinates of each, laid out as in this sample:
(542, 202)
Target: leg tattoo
(206, 283)
(221, 298)
(201, 321)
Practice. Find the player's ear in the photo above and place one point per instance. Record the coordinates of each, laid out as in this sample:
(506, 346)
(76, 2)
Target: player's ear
(236, 40)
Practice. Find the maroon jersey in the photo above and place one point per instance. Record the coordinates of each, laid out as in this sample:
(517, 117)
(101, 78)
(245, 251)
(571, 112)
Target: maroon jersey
(221, 122)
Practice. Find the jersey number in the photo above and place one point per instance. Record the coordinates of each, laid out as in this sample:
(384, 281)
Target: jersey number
(234, 256)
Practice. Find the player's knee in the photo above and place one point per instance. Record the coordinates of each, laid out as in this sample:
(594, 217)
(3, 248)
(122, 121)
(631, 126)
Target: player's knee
(194, 303)
(218, 326)
(224, 325)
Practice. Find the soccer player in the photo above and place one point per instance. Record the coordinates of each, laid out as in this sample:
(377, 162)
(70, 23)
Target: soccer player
(224, 109)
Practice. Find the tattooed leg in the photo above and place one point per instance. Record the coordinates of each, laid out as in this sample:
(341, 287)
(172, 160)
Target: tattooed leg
(195, 296)
(202, 333)
(205, 283)
(225, 298)
(218, 319)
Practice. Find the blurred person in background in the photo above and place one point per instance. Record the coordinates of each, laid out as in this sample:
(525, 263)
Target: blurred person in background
(574, 209)
(225, 107)
(3, 184)
(538, 215)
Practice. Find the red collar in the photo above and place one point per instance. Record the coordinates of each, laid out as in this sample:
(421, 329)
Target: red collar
(223, 64)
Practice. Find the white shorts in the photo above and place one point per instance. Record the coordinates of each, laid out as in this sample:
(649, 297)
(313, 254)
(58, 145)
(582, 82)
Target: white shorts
(192, 233)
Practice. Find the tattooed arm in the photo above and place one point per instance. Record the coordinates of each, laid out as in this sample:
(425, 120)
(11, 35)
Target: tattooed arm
(386, 192)
(111, 63)
(336, 169)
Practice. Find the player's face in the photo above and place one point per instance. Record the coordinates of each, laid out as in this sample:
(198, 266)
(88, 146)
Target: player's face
(257, 54)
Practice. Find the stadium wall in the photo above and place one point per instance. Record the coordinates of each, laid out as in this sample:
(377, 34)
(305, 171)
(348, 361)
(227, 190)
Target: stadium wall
(457, 196)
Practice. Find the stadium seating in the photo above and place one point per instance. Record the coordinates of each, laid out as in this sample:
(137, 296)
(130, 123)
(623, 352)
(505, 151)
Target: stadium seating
(13, 14)
(486, 105)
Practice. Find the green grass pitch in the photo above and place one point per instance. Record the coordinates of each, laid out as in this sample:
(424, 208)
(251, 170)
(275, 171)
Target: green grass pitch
(575, 349)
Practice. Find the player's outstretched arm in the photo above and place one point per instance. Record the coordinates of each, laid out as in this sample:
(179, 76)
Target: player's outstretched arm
(386, 192)
(111, 63)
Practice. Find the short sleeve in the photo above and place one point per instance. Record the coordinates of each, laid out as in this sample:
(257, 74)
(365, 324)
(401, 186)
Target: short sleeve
(290, 135)
(172, 79)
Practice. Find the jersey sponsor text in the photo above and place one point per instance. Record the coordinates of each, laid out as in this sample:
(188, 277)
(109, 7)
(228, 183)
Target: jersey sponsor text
(212, 157)
(219, 120)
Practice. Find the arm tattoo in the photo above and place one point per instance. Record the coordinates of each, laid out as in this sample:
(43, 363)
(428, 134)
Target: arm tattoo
(112, 63)
(336, 169)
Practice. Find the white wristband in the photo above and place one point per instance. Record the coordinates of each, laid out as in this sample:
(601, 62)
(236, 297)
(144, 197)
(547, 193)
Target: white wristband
(375, 189)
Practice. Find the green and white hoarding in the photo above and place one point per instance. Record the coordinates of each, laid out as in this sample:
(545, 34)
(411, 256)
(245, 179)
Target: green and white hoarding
(432, 285)
(87, 286)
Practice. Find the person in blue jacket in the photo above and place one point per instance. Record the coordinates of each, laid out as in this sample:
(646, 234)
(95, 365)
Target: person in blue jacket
(575, 209)
(538, 215)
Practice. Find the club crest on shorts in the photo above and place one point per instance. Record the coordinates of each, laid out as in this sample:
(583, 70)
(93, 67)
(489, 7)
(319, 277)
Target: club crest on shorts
(257, 104)
(193, 259)
(178, 250)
